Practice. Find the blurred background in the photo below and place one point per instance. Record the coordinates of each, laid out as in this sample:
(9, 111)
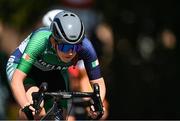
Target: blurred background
(137, 42)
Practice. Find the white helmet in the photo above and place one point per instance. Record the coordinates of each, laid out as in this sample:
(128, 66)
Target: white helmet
(67, 27)
(49, 16)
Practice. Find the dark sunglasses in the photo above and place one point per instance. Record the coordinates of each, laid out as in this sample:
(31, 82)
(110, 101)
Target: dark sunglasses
(67, 47)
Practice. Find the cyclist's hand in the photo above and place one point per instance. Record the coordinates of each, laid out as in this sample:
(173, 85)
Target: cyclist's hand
(30, 112)
(32, 109)
(93, 114)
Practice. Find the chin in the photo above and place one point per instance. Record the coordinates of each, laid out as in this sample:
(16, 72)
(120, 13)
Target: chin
(66, 61)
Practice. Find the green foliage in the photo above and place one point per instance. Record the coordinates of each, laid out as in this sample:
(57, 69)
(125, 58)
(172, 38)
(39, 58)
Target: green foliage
(23, 13)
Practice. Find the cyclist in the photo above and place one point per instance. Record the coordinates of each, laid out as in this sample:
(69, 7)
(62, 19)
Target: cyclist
(46, 54)
(77, 74)
(49, 16)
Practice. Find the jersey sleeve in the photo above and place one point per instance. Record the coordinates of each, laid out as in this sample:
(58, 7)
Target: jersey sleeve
(90, 59)
(36, 45)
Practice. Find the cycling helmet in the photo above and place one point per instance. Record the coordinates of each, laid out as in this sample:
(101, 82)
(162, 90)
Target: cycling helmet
(49, 16)
(67, 28)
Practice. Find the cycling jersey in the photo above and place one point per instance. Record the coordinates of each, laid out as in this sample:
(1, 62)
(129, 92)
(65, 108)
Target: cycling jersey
(36, 51)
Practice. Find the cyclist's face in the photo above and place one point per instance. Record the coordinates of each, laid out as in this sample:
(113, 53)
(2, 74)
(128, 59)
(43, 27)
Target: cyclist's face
(66, 52)
(66, 56)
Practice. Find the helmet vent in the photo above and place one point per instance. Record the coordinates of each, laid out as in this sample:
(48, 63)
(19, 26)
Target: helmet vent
(73, 15)
(72, 36)
(65, 15)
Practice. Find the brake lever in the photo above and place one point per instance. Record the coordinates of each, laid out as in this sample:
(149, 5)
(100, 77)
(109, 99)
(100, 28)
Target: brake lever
(37, 99)
(39, 96)
(98, 106)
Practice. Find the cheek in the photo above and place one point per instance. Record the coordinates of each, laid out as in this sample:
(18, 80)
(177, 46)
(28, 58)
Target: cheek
(74, 54)
(60, 54)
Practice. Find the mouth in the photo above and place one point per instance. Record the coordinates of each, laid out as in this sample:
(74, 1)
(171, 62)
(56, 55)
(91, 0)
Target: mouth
(68, 57)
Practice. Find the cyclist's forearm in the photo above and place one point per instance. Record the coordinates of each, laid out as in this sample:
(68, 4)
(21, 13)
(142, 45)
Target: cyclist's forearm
(18, 88)
(102, 86)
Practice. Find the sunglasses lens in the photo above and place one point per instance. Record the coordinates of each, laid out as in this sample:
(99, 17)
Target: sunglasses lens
(67, 47)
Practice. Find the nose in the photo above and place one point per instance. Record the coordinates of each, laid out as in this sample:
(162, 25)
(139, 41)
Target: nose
(70, 52)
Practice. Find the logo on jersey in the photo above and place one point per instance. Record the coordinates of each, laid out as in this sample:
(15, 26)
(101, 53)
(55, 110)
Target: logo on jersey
(26, 57)
(47, 67)
(95, 63)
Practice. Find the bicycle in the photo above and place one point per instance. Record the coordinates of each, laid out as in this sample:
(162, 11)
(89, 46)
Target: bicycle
(55, 112)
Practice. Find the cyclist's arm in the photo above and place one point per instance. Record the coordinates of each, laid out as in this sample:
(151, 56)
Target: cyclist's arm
(35, 47)
(18, 88)
(102, 87)
(92, 66)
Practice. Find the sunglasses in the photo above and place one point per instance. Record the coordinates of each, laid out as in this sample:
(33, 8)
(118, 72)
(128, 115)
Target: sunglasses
(67, 47)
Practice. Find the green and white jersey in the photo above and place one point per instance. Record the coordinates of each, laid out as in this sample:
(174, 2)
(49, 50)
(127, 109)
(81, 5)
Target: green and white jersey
(36, 50)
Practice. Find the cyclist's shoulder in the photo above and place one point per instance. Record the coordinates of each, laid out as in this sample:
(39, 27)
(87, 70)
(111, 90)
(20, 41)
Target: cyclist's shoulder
(38, 40)
(40, 35)
(86, 43)
(43, 31)
(87, 49)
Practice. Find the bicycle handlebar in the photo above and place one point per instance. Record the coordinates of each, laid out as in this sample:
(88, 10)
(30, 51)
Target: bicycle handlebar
(69, 95)
(95, 96)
